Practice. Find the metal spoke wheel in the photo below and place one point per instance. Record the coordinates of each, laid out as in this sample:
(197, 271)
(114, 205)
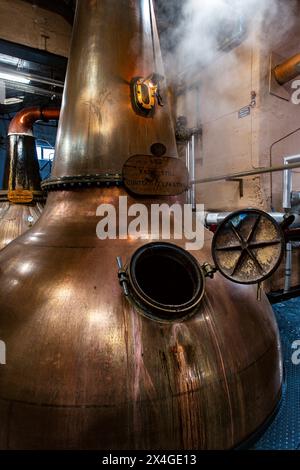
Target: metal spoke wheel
(248, 246)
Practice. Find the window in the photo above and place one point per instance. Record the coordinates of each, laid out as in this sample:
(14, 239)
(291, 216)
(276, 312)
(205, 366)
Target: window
(45, 152)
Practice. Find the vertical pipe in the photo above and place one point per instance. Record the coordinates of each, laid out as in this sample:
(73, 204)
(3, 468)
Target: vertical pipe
(288, 267)
(287, 189)
(192, 172)
(287, 181)
(287, 204)
(187, 160)
(287, 70)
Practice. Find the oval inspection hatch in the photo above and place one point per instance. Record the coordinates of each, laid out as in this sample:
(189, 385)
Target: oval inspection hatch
(165, 281)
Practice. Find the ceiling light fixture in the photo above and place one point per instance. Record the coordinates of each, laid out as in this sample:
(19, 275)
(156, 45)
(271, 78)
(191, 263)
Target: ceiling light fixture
(14, 78)
(15, 100)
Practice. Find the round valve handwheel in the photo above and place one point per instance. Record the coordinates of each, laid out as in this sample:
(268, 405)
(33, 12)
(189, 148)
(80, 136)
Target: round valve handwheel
(248, 246)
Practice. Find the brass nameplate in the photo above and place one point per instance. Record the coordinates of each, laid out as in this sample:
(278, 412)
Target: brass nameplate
(155, 176)
(20, 196)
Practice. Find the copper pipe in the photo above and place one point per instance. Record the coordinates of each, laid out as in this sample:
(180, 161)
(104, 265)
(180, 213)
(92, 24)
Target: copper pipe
(24, 120)
(287, 70)
(99, 121)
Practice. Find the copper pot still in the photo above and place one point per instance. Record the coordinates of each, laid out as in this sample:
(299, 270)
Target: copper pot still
(158, 362)
(22, 200)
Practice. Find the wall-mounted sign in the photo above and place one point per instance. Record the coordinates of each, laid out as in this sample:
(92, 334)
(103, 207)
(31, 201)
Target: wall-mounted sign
(245, 111)
(155, 176)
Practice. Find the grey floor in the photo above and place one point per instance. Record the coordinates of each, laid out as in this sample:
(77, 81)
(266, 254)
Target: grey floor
(284, 432)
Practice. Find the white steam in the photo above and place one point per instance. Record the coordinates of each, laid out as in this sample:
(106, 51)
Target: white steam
(206, 28)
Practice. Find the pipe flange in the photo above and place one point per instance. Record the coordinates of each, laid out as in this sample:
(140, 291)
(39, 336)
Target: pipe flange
(163, 281)
(38, 196)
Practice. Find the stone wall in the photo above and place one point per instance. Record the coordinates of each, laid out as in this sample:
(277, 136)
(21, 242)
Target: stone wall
(231, 144)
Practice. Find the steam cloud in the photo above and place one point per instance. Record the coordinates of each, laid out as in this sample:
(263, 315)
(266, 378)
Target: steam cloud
(204, 27)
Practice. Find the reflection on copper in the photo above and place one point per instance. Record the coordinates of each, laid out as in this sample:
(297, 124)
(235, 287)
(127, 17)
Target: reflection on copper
(25, 268)
(23, 121)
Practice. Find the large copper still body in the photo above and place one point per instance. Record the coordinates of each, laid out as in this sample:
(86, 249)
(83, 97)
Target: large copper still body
(85, 369)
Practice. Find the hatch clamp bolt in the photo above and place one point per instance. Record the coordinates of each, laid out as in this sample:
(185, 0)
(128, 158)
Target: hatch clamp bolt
(209, 270)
